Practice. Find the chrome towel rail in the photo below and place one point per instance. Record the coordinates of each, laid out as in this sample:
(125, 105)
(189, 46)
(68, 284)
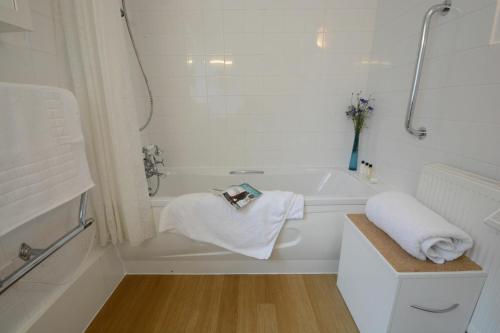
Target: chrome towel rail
(34, 257)
(442, 8)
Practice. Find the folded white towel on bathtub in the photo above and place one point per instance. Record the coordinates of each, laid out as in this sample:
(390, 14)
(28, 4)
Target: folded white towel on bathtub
(251, 231)
(416, 228)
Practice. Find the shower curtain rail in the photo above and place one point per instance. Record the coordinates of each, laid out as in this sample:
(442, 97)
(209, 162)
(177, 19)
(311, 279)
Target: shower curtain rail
(442, 8)
(34, 257)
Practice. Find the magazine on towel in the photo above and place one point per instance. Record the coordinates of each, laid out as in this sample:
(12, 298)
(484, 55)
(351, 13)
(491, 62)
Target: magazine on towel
(239, 195)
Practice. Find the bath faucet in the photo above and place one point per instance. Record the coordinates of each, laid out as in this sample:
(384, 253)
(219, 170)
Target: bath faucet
(152, 160)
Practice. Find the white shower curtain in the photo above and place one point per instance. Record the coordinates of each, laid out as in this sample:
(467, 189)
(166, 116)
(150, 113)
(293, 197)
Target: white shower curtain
(101, 76)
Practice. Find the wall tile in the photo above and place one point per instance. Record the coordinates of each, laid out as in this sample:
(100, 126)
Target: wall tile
(213, 21)
(46, 68)
(43, 7)
(350, 19)
(43, 37)
(348, 41)
(458, 92)
(351, 4)
(267, 71)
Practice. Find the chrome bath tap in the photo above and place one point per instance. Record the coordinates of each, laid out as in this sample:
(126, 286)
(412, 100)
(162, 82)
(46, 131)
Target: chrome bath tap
(152, 160)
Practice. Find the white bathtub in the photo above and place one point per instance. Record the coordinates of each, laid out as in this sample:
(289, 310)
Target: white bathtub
(311, 245)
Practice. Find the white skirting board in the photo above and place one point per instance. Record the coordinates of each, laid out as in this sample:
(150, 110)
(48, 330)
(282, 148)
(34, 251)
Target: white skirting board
(232, 267)
(75, 309)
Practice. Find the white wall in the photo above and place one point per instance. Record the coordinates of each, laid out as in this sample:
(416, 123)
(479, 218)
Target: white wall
(253, 83)
(458, 100)
(36, 57)
(39, 57)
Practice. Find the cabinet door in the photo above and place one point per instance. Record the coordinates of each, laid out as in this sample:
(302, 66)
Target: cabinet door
(435, 305)
(366, 282)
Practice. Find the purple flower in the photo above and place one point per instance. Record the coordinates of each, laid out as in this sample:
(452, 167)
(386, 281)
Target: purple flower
(359, 110)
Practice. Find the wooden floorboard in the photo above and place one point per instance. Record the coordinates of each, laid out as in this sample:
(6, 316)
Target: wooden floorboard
(225, 303)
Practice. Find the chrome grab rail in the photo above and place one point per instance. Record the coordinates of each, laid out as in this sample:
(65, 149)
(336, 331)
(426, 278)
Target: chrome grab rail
(246, 172)
(423, 308)
(34, 257)
(444, 8)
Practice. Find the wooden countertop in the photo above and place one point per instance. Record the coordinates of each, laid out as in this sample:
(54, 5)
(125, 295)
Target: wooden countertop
(399, 259)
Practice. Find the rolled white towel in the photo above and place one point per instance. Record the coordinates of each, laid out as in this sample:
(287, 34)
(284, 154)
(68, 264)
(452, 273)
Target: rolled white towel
(417, 229)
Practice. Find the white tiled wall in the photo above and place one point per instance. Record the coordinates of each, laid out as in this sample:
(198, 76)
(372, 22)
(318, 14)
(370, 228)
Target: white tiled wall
(39, 57)
(253, 83)
(36, 57)
(458, 100)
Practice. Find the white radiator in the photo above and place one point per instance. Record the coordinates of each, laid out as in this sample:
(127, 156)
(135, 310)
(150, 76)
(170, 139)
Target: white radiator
(471, 202)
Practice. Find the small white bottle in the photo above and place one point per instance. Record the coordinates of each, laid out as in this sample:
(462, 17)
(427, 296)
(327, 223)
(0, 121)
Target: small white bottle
(373, 178)
(362, 168)
(367, 170)
(370, 172)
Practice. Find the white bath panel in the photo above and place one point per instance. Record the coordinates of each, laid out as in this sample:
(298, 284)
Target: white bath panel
(289, 237)
(311, 245)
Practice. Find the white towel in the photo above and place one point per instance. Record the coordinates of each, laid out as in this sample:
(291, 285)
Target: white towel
(417, 229)
(251, 231)
(42, 157)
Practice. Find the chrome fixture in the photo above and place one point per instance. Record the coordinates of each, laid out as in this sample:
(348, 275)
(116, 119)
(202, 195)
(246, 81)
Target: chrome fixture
(425, 309)
(124, 14)
(152, 161)
(26, 252)
(442, 8)
(33, 257)
(246, 172)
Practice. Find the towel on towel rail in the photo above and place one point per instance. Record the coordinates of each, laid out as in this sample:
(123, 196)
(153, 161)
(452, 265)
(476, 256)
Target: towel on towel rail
(251, 231)
(416, 228)
(42, 154)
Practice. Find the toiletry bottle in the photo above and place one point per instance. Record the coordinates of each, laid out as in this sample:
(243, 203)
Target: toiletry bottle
(373, 177)
(370, 171)
(362, 168)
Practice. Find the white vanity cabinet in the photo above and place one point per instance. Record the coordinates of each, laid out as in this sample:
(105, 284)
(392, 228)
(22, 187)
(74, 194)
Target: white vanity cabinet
(387, 290)
(15, 15)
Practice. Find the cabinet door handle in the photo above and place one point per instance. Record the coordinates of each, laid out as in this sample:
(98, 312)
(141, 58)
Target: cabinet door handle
(423, 308)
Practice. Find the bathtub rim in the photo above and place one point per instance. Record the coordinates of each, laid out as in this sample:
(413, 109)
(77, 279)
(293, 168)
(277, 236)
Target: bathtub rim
(309, 200)
(224, 171)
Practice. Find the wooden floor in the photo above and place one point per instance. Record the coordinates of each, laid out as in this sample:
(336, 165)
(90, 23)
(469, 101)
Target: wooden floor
(225, 303)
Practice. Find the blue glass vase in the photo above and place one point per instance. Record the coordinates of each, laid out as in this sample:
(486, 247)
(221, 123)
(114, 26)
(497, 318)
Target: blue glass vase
(353, 164)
